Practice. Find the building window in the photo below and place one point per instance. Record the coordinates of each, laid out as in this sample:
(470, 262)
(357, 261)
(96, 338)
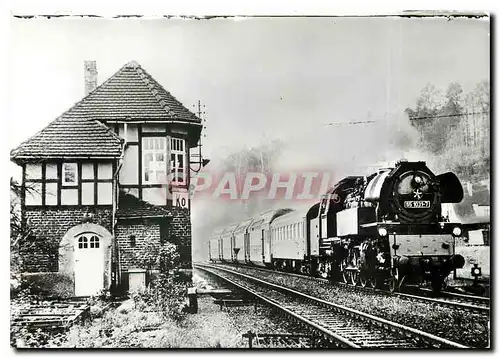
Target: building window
(83, 242)
(178, 161)
(70, 174)
(154, 153)
(132, 240)
(94, 242)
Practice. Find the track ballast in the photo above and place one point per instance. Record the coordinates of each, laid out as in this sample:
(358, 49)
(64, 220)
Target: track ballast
(344, 326)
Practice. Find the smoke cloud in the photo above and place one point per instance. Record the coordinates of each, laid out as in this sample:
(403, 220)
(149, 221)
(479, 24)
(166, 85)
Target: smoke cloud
(340, 149)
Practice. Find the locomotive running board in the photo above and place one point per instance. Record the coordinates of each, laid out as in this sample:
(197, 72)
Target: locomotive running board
(369, 225)
(381, 223)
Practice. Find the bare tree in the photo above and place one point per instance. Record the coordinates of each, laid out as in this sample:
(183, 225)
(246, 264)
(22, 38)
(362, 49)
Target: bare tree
(21, 236)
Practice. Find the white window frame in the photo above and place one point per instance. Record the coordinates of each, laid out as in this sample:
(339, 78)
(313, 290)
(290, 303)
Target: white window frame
(178, 151)
(125, 132)
(151, 146)
(83, 242)
(65, 181)
(94, 242)
(88, 241)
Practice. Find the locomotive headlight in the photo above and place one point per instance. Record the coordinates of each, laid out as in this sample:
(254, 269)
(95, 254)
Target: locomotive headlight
(382, 231)
(457, 231)
(418, 179)
(475, 271)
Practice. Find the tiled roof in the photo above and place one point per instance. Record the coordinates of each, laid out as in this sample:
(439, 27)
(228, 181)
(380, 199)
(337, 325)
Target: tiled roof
(131, 94)
(129, 206)
(70, 138)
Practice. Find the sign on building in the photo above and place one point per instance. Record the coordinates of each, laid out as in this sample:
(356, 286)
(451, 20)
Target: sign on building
(180, 199)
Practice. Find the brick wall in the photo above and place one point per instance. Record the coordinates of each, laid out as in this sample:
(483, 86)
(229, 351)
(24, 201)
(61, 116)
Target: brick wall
(180, 234)
(49, 225)
(146, 233)
(150, 232)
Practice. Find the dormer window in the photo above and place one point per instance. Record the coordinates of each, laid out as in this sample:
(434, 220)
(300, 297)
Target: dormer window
(70, 174)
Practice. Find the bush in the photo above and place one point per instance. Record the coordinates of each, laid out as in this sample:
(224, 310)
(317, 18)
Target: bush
(116, 329)
(159, 305)
(167, 290)
(165, 295)
(24, 338)
(46, 284)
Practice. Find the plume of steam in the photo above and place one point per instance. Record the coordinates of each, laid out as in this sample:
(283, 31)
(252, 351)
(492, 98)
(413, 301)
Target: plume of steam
(352, 149)
(339, 150)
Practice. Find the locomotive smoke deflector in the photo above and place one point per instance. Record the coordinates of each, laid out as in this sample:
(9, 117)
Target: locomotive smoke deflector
(450, 188)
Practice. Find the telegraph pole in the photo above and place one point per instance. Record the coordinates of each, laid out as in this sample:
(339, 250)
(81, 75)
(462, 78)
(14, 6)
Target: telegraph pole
(197, 158)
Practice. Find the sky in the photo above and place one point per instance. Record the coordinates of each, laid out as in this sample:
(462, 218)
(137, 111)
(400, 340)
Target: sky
(259, 78)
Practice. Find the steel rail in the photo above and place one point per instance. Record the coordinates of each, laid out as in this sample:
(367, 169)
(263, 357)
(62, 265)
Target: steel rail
(471, 297)
(393, 326)
(454, 304)
(273, 303)
(442, 302)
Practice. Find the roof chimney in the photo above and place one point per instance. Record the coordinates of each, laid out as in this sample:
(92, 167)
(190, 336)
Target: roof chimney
(90, 74)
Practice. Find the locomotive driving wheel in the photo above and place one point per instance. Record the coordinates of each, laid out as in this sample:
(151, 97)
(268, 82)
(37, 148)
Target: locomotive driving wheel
(393, 281)
(355, 271)
(354, 276)
(344, 273)
(363, 278)
(368, 278)
(373, 280)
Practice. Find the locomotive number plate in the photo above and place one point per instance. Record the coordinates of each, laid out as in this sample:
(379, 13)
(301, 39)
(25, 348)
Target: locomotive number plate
(424, 204)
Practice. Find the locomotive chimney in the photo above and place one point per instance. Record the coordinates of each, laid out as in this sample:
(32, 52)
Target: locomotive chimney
(90, 76)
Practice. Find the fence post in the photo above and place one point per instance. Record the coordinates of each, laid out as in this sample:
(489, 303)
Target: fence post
(193, 300)
(250, 336)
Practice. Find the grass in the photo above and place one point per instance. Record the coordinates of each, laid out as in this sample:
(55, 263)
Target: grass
(211, 328)
(136, 324)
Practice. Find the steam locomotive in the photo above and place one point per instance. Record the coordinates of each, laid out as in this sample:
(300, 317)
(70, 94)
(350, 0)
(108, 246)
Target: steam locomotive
(385, 229)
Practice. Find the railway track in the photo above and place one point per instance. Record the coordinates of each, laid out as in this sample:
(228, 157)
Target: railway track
(463, 298)
(344, 326)
(447, 299)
